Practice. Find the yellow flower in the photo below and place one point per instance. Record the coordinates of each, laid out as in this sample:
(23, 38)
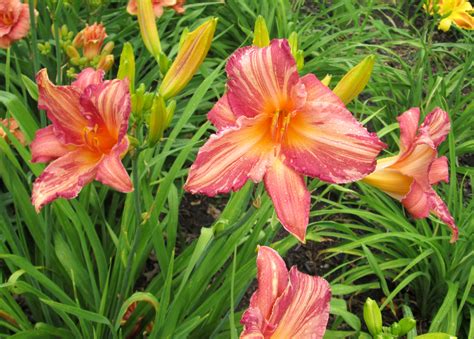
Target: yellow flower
(452, 11)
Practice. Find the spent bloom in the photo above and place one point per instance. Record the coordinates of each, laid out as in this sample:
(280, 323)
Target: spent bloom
(276, 126)
(87, 137)
(12, 125)
(409, 176)
(14, 21)
(91, 39)
(452, 11)
(158, 6)
(286, 304)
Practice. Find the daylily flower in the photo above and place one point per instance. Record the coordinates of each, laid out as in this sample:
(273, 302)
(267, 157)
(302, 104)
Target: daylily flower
(14, 21)
(286, 304)
(12, 125)
(87, 137)
(91, 39)
(409, 176)
(158, 6)
(452, 11)
(274, 125)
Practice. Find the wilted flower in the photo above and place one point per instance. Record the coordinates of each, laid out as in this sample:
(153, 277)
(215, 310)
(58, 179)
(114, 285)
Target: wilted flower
(90, 39)
(12, 125)
(274, 125)
(158, 6)
(286, 304)
(452, 11)
(14, 21)
(408, 176)
(87, 138)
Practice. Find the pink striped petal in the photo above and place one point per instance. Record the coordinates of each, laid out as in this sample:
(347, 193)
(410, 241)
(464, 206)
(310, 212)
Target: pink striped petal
(290, 198)
(302, 311)
(65, 177)
(111, 171)
(62, 106)
(221, 114)
(408, 122)
(108, 105)
(325, 141)
(438, 125)
(231, 157)
(22, 25)
(262, 80)
(439, 170)
(88, 77)
(46, 146)
(253, 322)
(439, 208)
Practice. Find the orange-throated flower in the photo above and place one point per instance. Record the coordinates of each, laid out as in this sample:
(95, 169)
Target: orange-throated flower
(14, 21)
(87, 137)
(452, 11)
(286, 304)
(277, 126)
(409, 176)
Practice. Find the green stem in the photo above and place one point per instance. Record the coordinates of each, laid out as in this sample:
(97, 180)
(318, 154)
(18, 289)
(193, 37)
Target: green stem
(7, 70)
(34, 40)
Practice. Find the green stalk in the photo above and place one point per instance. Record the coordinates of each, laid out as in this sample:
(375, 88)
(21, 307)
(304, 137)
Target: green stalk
(34, 40)
(7, 70)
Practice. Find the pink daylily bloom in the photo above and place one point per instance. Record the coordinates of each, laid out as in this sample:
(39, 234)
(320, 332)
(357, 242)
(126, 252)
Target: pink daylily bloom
(409, 176)
(14, 21)
(276, 126)
(286, 304)
(87, 138)
(158, 6)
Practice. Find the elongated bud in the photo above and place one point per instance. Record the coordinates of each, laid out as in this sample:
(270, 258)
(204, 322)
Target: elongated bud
(170, 112)
(108, 48)
(158, 116)
(148, 29)
(261, 38)
(189, 58)
(326, 80)
(127, 65)
(184, 34)
(72, 52)
(355, 80)
(299, 59)
(293, 42)
(106, 62)
(372, 317)
(406, 325)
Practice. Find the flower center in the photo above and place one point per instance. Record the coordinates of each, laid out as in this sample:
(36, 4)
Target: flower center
(7, 18)
(98, 140)
(280, 122)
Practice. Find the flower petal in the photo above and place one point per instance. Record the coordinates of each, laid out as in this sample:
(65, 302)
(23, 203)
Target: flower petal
(253, 321)
(262, 80)
(390, 181)
(303, 309)
(65, 177)
(22, 26)
(408, 122)
(439, 208)
(221, 114)
(290, 197)
(46, 146)
(439, 170)
(417, 201)
(88, 77)
(111, 171)
(231, 157)
(464, 20)
(325, 141)
(438, 125)
(108, 104)
(62, 106)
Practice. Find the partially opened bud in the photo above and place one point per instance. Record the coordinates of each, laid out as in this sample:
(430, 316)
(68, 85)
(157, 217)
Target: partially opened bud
(189, 58)
(355, 80)
(148, 29)
(90, 39)
(326, 80)
(372, 317)
(127, 65)
(261, 38)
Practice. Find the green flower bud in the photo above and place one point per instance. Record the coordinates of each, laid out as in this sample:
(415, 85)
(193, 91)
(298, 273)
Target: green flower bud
(373, 317)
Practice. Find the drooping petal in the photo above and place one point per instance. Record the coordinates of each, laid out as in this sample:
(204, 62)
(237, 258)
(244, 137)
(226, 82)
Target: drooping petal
(408, 122)
(108, 104)
(46, 146)
(272, 279)
(437, 125)
(62, 106)
(231, 157)
(439, 208)
(290, 197)
(221, 114)
(262, 80)
(253, 321)
(439, 170)
(325, 141)
(302, 311)
(65, 177)
(88, 77)
(111, 171)
(417, 201)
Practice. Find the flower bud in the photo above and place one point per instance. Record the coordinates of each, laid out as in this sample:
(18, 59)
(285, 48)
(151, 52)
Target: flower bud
(326, 80)
(158, 117)
(372, 317)
(106, 62)
(72, 52)
(299, 59)
(108, 48)
(189, 58)
(90, 39)
(127, 65)
(355, 80)
(148, 29)
(293, 42)
(261, 37)
(406, 325)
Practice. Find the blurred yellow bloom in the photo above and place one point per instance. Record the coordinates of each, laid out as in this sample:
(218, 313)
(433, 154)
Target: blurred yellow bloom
(261, 38)
(452, 11)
